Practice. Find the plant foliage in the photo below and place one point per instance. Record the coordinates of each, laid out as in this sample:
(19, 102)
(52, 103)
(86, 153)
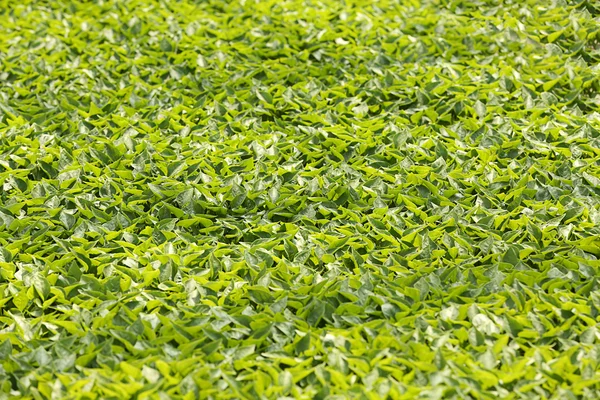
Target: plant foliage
(299, 199)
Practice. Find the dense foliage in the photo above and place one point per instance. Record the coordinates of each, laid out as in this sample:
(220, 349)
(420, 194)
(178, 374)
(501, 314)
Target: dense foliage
(299, 199)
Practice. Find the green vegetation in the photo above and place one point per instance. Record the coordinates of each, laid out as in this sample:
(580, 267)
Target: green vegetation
(299, 199)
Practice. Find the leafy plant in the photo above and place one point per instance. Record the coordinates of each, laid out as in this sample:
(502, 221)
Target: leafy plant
(299, 199)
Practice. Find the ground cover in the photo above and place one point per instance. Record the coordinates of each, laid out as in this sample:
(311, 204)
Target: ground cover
(299, 199)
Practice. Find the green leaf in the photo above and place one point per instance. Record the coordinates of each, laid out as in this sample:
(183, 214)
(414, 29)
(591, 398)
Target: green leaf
(20, 300)
(303, 344)
(5, 255)
(480, 109)
(260, 295)
(41, 285)
(511, 256)
(5, 349)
